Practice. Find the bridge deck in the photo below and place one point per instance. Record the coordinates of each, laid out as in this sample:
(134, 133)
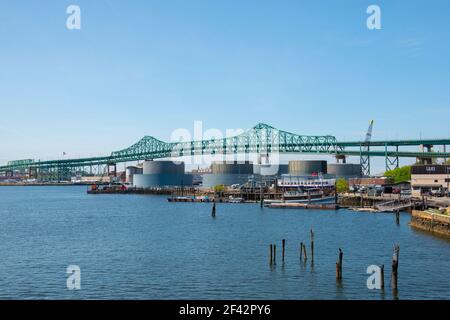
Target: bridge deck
(262, 139)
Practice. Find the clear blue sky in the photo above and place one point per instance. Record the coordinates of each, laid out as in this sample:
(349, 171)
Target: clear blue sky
(148, 67)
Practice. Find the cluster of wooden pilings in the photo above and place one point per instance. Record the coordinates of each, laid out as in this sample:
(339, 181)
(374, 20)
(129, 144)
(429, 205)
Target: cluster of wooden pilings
(303, 250)
(339, 264)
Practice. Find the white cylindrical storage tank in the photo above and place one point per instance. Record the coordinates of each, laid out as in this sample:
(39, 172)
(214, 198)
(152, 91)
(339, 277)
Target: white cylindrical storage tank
(130, 172)
(162, 174)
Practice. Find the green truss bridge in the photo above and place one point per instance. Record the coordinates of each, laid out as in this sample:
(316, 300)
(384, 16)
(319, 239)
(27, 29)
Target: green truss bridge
(262, 139)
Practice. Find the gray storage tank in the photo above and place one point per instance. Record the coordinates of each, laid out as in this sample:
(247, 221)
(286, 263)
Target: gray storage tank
(162, 174)
(232, 167)
(163, 167)
(270, 169)
(307, 167)
(228, 173)
(345, 170)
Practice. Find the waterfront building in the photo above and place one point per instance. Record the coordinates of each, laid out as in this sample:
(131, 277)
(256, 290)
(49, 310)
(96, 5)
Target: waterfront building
(431, 179)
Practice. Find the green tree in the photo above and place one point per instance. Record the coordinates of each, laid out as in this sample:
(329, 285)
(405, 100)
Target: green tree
(219, 188)
(341, 185)
(398, 175)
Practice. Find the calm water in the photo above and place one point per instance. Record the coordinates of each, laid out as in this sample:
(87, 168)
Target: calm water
(142, 247)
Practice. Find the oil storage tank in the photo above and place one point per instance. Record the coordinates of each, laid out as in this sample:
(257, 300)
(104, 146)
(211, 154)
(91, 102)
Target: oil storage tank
(162, 174)
(270, 169)
(228, 173)
(130, 172)
(307, 167)
(345, 170)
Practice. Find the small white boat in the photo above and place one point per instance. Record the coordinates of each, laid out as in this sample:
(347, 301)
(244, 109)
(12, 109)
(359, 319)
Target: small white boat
(370, 210)
(235, 200)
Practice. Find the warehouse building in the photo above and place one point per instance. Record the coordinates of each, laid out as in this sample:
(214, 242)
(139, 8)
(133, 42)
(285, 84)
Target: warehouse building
(430, 180)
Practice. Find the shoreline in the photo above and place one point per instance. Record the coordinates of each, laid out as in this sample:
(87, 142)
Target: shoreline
(43, 184)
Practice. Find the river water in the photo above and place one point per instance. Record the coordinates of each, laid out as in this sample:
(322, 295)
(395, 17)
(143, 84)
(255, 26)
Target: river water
(142, 247)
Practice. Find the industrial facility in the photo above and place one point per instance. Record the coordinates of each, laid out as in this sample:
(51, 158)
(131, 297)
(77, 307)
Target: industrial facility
(313, 179)
(297, 172)
(154, 174)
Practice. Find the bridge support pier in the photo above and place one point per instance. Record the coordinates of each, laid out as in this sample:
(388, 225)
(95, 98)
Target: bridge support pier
(112, 170)
(63, 174)
(32, 173)
(424, 159)
(340, 158)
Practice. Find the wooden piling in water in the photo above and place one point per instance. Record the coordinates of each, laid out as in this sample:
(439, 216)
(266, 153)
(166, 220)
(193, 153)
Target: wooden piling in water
(382, 277)
(305, 253)
(339, 265)
(312, 244)
(397, 217)
(213, 213)
(274, 254)
(261, 197)
(338, 276)
(395, 257)
(270, 254)
(283, 248)
(301, 251)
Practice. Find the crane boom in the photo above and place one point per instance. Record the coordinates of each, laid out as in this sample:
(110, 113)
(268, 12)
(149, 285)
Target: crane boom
(369, 132)
(365, 160)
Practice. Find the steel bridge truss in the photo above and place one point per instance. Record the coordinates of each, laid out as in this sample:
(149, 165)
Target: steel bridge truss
(262, 139)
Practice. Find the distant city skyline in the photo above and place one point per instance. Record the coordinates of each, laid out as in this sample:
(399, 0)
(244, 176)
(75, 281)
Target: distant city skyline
(140, 68)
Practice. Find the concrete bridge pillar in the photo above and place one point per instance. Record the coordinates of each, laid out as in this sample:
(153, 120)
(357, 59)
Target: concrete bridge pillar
(340, 158)
(32, 173)
(112, 169)
(424, 148)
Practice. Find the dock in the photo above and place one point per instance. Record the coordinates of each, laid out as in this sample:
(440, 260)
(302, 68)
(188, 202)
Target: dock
(433, 221)
(317, 206)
